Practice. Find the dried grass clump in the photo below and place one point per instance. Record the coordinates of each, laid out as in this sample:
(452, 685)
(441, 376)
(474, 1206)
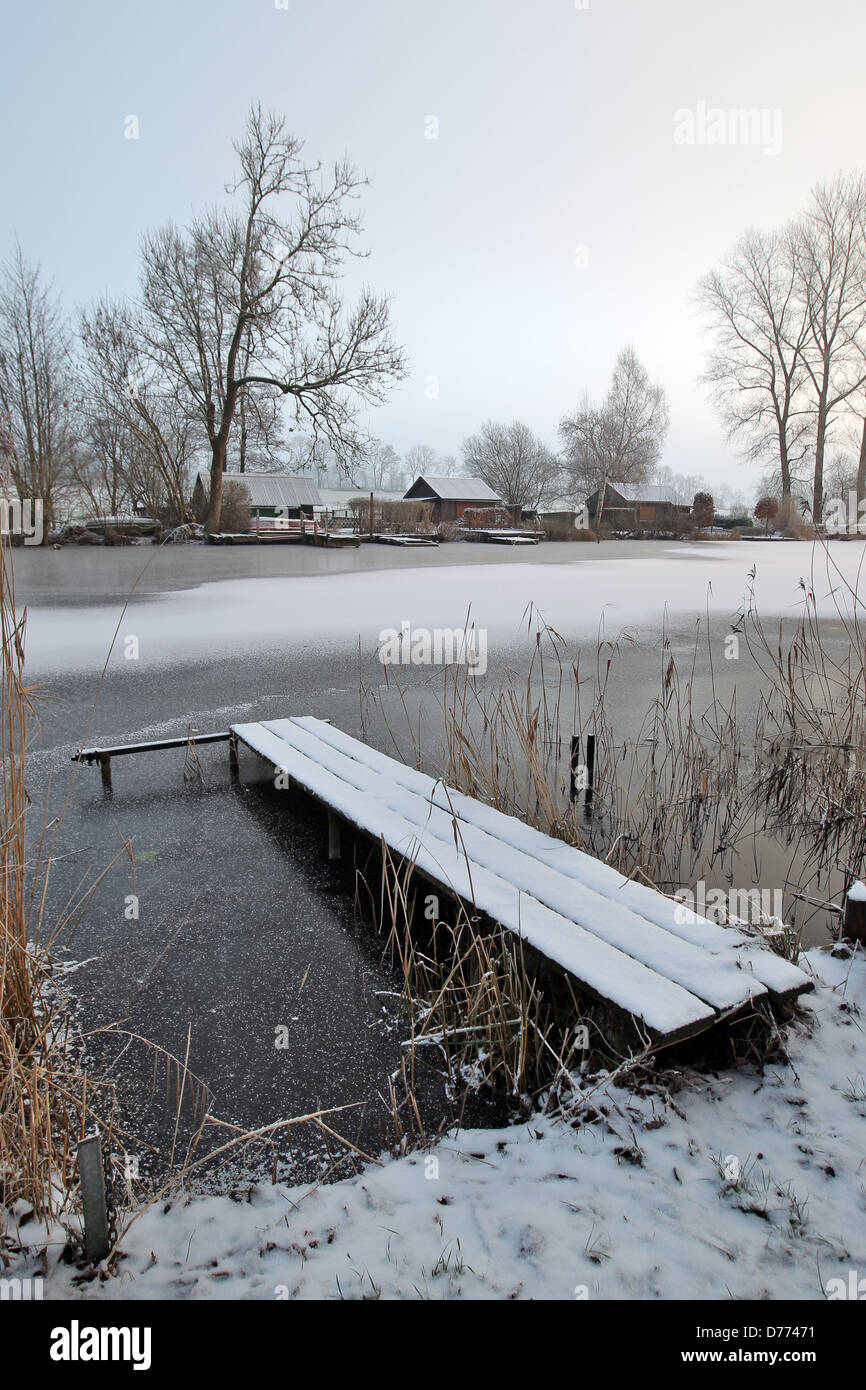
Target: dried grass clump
(46, 1104)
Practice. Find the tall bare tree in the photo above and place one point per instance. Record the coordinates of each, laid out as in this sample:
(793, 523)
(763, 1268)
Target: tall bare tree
(512, 461)
(37, 386)
(830, 250)
(759, 325)
(245, 300)
(383, 466)
(422, 459)
(620, 440)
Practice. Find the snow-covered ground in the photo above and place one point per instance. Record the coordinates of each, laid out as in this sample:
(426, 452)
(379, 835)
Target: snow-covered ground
(331, 611)
(740, 1184)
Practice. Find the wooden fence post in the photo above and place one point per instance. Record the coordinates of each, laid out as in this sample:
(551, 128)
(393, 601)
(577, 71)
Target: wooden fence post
(94, 1198)
(854, 922)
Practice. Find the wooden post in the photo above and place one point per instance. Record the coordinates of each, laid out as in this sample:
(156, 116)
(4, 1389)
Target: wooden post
(589, 770)
(93, 1198)
(590, 773)
(105, 769)
(573, 766)
(854, 922)
(234, 760)
(371, 516)
(333, 837)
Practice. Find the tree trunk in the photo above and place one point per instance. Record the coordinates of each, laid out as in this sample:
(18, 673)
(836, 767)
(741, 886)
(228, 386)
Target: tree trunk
(785, 467)
(215, 501)
(861, 469)
(818, 486)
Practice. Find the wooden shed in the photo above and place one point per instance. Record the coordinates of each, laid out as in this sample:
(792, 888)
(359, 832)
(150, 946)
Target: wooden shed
(450, 497)
(650, 507)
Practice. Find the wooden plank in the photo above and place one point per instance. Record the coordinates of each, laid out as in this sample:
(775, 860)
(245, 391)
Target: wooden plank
(715, 980)
(665, 1009)
(782, 979)
(89, 755)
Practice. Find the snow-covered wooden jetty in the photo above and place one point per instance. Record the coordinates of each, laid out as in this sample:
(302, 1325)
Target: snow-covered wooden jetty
(626, 944)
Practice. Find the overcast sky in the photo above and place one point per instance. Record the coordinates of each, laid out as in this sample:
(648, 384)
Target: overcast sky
(556, 131)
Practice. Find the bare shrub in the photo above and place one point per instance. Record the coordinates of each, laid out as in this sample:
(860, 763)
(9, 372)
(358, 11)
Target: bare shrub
(236, 516)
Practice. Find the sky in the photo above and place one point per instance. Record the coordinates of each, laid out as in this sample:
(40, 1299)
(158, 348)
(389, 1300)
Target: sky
(537, 196)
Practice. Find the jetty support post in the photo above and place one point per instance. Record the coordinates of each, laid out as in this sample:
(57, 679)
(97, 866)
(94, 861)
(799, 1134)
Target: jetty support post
(334, 847)
(105, 770)
(587, 781)
(574, 764)
(590, 774)
(854, 921)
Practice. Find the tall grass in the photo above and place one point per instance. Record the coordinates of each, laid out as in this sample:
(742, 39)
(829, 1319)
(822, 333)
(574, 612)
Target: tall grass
(46, 1102)
(694, 789)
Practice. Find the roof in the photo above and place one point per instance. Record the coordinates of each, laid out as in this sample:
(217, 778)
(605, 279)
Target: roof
(337, 497)
(456, 489)
(646, 492)
(272, 489)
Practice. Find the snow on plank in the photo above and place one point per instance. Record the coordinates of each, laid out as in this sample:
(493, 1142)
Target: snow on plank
(715, 980)
(781, 978)
(665, 1009)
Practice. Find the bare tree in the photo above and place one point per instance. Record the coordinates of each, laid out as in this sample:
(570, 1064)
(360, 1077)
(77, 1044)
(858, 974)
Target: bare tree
(245, 301)
(37, 386)
(384, 469)
(421, 459)
(621, 440)
(831, 263)
(759, 325)
(520, 469)
(128, 405)
(260, 429)
(101, 467)
(679, 487)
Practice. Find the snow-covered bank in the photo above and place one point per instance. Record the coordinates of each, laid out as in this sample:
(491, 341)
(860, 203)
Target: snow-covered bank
(331, 611)
(737, 1185)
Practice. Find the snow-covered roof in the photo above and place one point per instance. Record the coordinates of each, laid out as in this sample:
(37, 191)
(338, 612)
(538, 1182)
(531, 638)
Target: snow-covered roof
(272, 489)
(456, 489)
(647, 492)
(336, 497)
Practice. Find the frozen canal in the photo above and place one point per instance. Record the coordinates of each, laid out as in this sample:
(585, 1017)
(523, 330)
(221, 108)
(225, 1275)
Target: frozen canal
(244, 927)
